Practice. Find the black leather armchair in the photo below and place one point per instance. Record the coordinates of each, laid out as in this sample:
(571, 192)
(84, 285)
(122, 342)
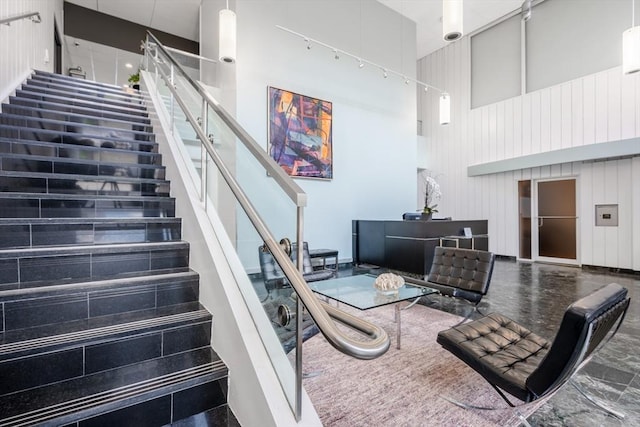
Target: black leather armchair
(459, 273)
(273, 275)
(514, 359)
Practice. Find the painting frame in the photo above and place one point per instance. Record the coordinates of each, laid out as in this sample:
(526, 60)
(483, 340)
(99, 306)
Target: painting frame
(300, 134)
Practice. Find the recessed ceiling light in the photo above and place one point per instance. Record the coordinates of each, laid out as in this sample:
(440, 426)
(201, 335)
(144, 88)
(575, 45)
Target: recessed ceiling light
(128, 65)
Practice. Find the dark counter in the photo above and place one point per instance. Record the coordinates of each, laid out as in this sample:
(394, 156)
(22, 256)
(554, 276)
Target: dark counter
(408, 245)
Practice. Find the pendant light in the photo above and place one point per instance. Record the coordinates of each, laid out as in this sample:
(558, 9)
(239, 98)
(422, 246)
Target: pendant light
(631, 46)
(227, 36)
(445, 109)
(451, 20)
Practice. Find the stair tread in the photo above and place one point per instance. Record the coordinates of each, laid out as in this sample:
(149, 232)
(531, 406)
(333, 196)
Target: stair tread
(71, 123)
(21, 110)
(53, 84)
(106, 197)
(117, 142)
(91, 112)
(110, 248)
(75, 333)
(78, 177)
(61, 160)
(21, 93)
(62, 145)
(56, 284)
(144, 379)
(77, 93)
(73, 80)
(139, 279)
(99, 220)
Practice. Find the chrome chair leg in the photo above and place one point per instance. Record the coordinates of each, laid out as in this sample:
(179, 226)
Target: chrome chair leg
(596, 402)
(523, 419)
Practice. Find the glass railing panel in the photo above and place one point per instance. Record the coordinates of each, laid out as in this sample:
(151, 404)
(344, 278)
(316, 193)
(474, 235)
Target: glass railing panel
(274, 207)
(268, 289)
(278, 211)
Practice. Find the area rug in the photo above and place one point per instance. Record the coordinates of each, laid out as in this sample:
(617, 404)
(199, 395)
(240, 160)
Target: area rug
(403, 387)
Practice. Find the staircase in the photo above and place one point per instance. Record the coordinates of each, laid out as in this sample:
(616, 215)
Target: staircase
(101, 323)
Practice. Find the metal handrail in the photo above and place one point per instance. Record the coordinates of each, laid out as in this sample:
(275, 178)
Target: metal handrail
(320, 312)
(35, 17)
(190, 55)
(292, 189)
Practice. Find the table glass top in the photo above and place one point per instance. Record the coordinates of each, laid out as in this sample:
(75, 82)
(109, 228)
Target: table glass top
(358, 291)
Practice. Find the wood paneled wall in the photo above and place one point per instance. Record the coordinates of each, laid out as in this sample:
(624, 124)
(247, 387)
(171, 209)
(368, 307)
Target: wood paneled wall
(592, 109)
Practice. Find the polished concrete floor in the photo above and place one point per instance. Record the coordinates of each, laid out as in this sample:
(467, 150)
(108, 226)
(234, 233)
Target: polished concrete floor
(536, 295)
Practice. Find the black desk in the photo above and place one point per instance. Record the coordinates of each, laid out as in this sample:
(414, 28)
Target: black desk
(409, 245)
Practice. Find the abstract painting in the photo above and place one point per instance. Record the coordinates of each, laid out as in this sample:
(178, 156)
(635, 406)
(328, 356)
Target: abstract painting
(300, 135)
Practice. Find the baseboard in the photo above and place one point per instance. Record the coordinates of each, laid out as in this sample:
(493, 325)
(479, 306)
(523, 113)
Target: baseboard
(611, 270)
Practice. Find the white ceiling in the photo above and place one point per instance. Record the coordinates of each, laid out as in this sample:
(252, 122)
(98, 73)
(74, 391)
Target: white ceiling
(180, 17)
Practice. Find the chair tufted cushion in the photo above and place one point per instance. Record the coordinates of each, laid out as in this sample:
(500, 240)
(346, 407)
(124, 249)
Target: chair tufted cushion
(499, 349)
(465, 273)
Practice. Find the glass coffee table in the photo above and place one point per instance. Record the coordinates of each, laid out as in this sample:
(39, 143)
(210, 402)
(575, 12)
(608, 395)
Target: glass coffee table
(358, 292)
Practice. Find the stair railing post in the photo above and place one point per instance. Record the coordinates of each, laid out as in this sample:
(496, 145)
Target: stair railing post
(299, 313)
(204, 154)
(172, 101)
(156, 64)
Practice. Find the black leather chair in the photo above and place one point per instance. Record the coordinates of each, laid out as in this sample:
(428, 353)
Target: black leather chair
(459, 273)
(273, 275)
(515, 360)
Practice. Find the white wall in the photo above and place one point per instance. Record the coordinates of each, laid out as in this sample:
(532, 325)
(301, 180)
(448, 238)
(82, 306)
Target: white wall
(597, 108)
(374, 119)
(23, 43)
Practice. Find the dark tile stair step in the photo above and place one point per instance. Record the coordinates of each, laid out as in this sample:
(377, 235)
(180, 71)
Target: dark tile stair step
(69, 166)
(29, 205)
(89, 91)
(73, 138)
(74, 151)
(32, 182)
(94, 98)
(42, 113)
(176, 290)
(75, 81)
(158, 336)
(89, 111)
(163, 390)
(222, 416)
(74, 127)
(23, 94)
(23, 268)
(41, 232)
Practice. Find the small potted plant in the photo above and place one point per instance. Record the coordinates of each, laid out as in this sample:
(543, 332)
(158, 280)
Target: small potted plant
(134, 80)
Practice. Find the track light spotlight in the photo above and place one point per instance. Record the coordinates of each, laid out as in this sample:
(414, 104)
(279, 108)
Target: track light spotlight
(360, 64)
(335, 54)
(384, 73)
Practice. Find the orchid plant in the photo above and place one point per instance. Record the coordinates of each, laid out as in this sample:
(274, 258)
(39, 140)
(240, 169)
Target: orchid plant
(432, 194)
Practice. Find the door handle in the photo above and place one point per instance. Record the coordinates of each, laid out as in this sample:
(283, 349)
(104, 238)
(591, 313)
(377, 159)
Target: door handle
(540, 222)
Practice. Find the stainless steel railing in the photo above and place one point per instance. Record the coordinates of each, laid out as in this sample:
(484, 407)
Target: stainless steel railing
(34, 16)
(322, 313)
